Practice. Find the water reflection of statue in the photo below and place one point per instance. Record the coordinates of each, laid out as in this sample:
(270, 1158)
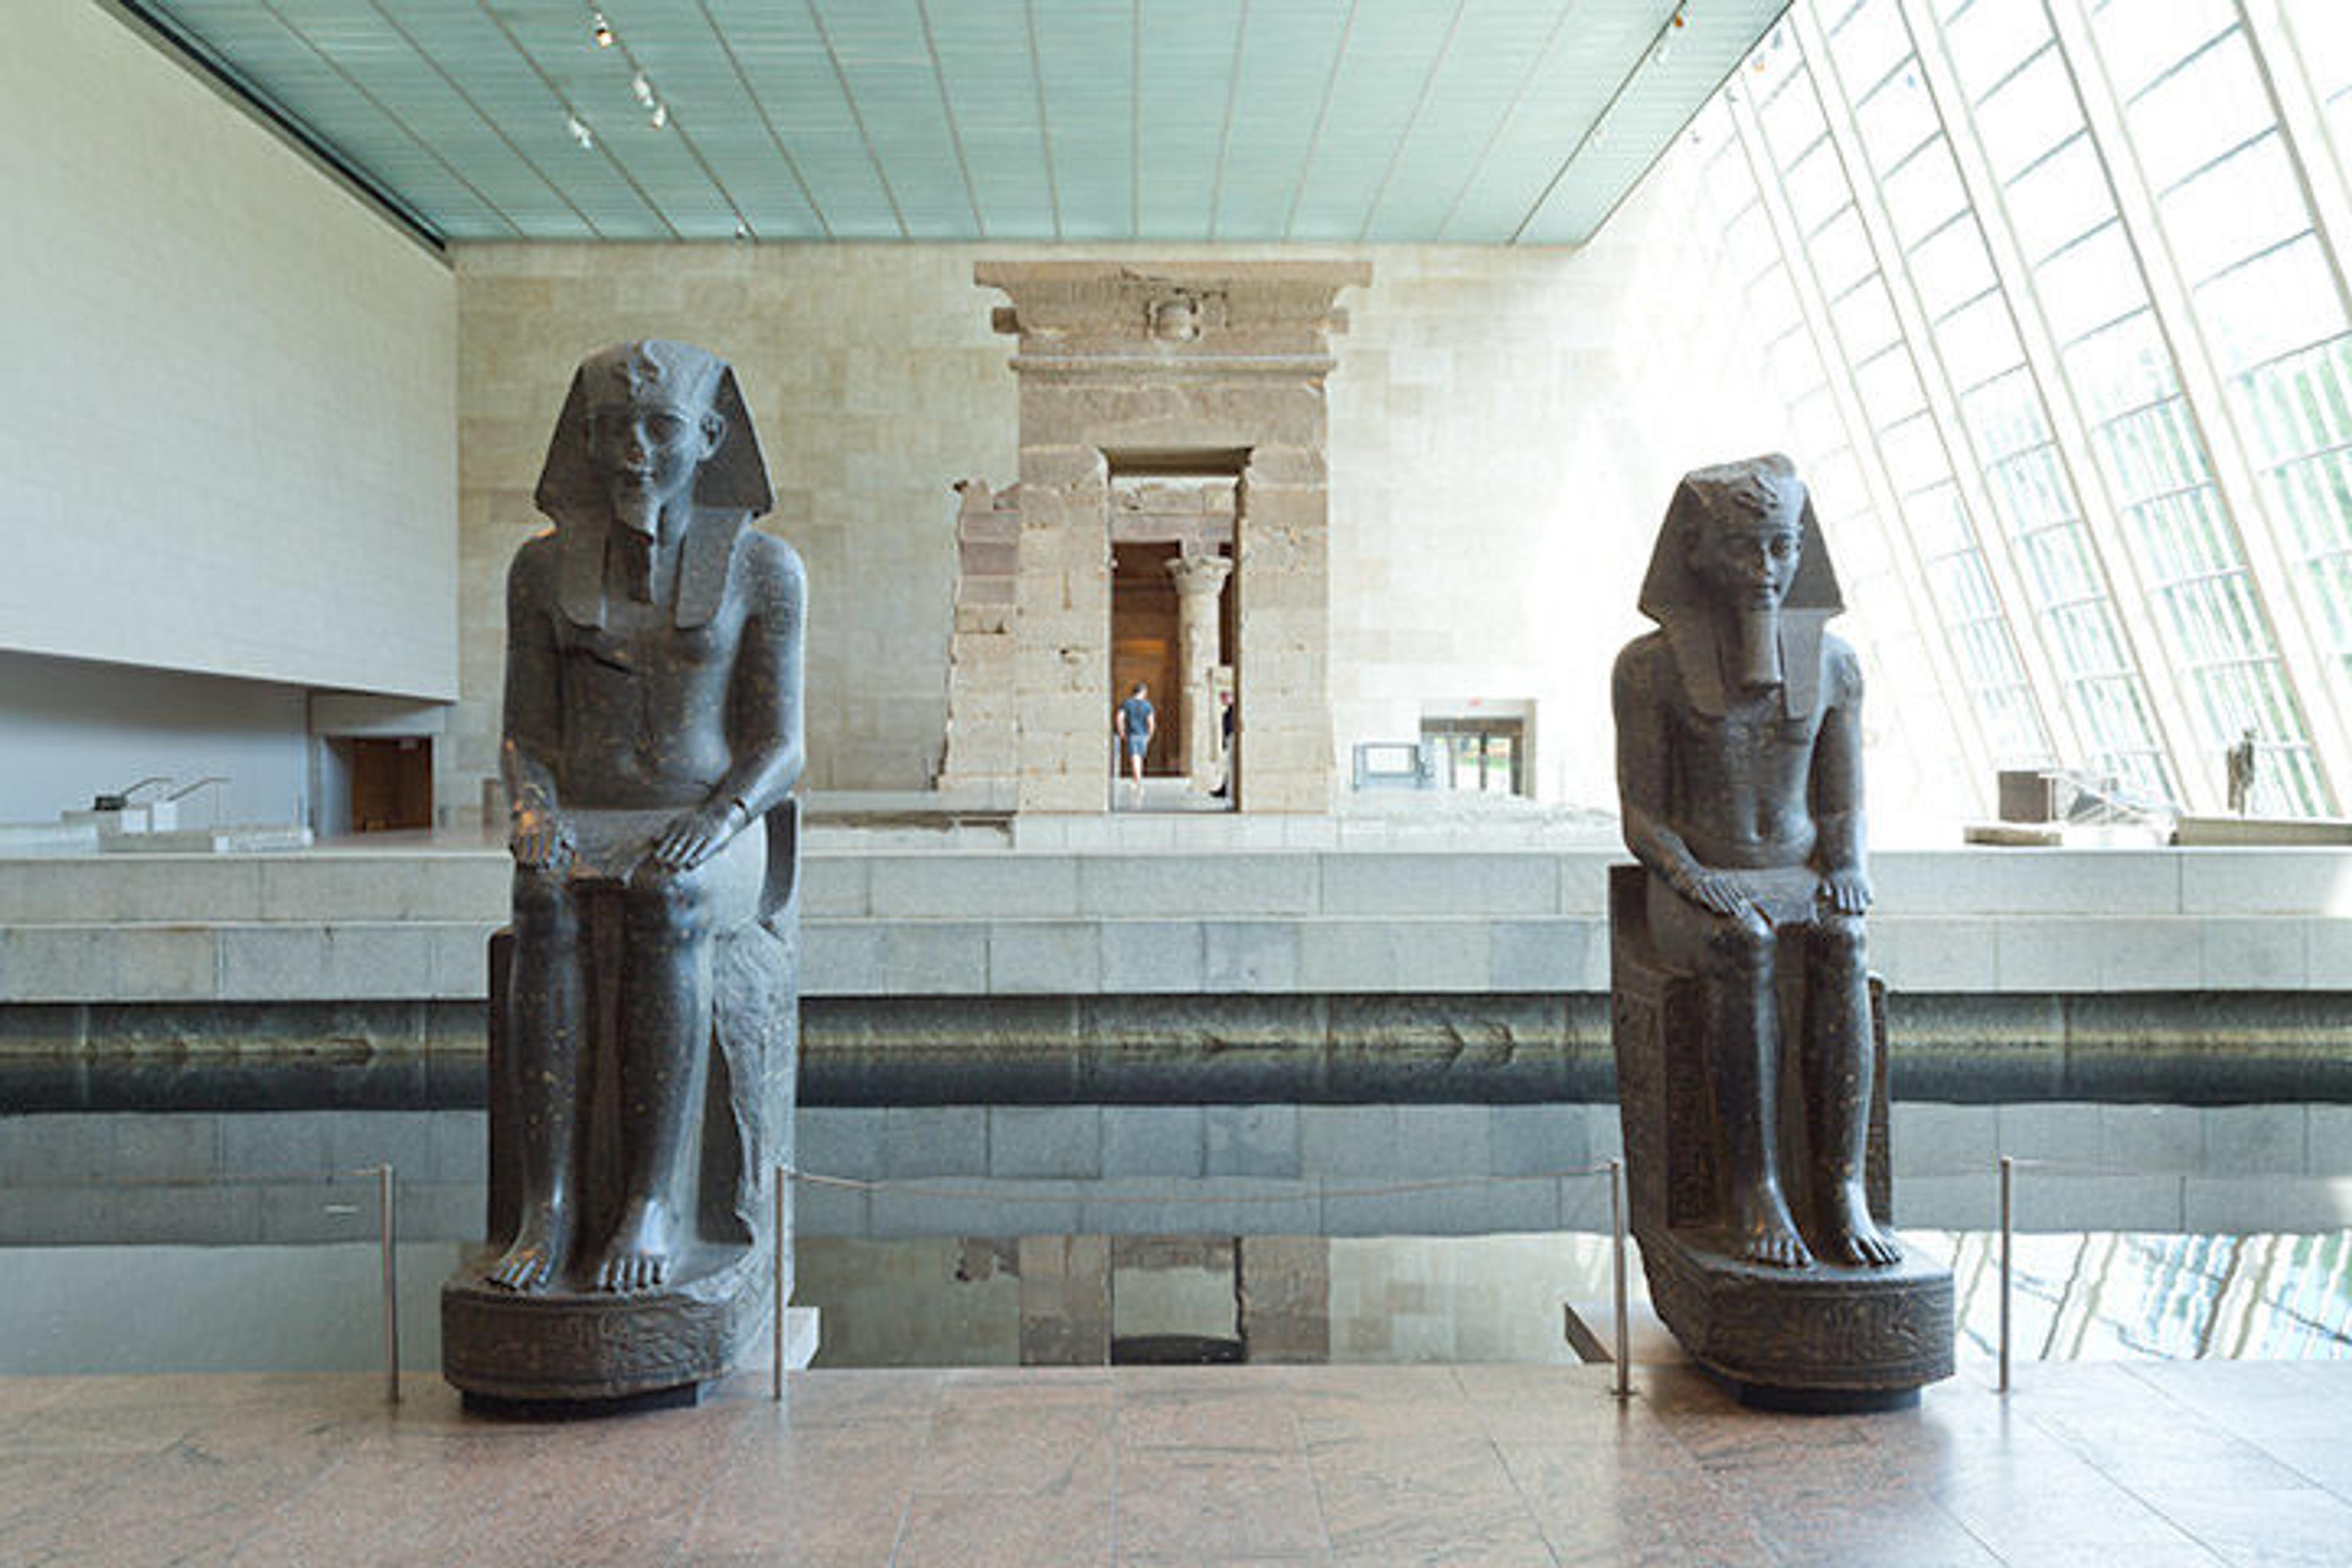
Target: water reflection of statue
(2240, 762)
(1739, 765)
(652, 722)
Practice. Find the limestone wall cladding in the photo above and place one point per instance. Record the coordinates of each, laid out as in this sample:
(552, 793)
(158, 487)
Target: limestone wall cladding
(1504, 429)
(874, 382)
(228, 386)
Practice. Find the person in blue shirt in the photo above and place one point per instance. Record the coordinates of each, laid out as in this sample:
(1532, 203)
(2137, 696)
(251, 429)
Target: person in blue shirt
(1133, 722)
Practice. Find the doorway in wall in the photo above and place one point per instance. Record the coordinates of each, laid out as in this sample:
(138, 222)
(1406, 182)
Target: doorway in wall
(391, 782)
(1484, 755)
(1174, 525)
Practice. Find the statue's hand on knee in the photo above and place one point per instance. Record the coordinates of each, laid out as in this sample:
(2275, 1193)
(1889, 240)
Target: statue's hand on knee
(697, 834)
(1846, 890)
(1713, 890)
(540, 839)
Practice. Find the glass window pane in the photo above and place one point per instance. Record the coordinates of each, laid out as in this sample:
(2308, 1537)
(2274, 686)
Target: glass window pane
(1868, 42)
(2005, 415)
(1989, 37)
(2125, 366)
(1950, 268)
(1841, 253)
(2271, 306)
(2212, 103)
(1864, 320)
(1816, 186)
(1896, 116)
(2140, 38)
(2063, 198)
(1889, 387)
(2088, 284)
(1791, 117)
(1922, 193)
(2030, 113)
(1978, 341)
(2247, 202)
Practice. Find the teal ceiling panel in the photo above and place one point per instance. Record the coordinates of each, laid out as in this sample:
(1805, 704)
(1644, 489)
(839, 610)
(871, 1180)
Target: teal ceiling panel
(1379, 91)
(882, 48)
(987, 76)
(1466, 121)
(1184, 112)
(707, 92)
(1282, 81)
(1087, 61)
(792, 72)
(1590, 60)
(1490, 59)
(1681, 66)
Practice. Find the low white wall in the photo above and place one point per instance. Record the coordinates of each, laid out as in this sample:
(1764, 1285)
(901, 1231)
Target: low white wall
(69, 729)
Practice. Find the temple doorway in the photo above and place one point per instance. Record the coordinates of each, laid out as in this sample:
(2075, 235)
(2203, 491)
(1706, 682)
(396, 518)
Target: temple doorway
(1172, 528)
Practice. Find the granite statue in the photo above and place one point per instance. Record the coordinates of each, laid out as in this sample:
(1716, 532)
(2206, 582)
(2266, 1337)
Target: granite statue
(1739, 772)
(644, 1000)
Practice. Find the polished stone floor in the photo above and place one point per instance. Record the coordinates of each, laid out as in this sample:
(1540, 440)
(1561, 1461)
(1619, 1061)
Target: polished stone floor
(2141, 1465)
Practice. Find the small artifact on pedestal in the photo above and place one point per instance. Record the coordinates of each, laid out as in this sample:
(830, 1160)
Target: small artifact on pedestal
(1750, 1037)
(644, 1004)
(2240, 762)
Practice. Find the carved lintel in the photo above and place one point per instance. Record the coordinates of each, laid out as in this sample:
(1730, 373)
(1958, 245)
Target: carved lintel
(1173, 315)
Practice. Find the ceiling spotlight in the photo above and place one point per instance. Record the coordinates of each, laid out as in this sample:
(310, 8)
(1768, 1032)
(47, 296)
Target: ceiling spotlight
(579, 133)
(602, 31)
(743, 229)
(660, 115)
(642, 88)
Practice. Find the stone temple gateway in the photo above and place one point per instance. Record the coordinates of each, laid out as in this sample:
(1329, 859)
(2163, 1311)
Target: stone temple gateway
(1185, 371)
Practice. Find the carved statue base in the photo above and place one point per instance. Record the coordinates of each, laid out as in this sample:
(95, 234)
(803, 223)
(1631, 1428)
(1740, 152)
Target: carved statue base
(573, 1344)
(1823, 1337)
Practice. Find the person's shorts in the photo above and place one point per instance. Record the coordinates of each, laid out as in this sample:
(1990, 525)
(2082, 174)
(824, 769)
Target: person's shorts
(1136, 743)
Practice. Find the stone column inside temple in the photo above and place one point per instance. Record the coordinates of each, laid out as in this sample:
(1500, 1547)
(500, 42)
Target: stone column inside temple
(1200, 582)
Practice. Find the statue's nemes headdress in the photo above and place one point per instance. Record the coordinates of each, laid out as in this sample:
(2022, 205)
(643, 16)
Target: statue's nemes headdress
(1673, 595)
(729, 489)
(655, 371)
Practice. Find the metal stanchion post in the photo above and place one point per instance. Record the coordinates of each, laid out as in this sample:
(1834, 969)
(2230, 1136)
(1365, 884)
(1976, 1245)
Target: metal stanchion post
(1617, 1248)
(2007, 1165)
(783, 1211)
(391, 1285)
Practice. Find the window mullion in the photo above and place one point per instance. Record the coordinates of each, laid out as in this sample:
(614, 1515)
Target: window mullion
(2111, 552)
(2060, 720)
(1936, 638)
(2315, 682)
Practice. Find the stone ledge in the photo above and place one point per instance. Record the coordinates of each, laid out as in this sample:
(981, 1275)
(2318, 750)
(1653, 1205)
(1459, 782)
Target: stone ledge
(1150, 948)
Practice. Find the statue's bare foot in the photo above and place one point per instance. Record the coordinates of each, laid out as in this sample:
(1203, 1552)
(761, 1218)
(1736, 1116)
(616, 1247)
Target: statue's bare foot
(530, 1264)
(643, 1247)
(1766, 1233)
(1854, 1234)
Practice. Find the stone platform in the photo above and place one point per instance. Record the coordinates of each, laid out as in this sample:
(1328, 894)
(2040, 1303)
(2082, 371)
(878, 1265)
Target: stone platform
(1091, 906)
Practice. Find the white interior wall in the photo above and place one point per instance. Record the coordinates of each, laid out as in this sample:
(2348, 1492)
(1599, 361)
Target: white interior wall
(1507, 429)
(229, 387)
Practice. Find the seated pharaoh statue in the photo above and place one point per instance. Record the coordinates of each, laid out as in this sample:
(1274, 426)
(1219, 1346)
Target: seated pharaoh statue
(1749, 1034)
(644, 1003)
